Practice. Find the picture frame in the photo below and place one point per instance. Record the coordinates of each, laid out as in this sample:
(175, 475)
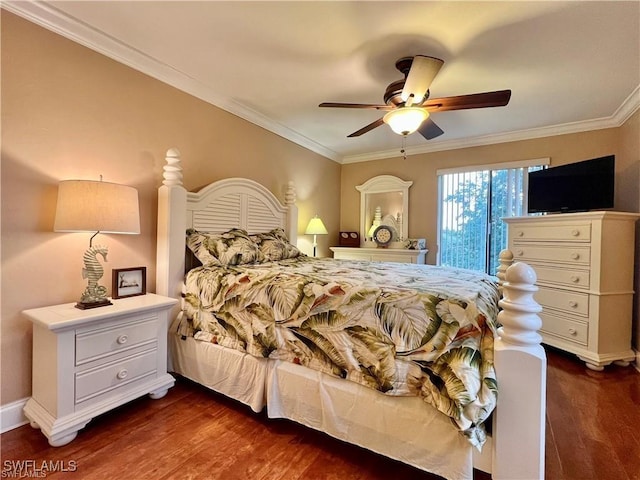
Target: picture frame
(129, 282)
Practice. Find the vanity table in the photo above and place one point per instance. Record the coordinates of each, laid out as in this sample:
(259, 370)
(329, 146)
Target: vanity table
(384, 225)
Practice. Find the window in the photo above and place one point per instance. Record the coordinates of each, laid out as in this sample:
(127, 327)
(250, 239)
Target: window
(471, 205)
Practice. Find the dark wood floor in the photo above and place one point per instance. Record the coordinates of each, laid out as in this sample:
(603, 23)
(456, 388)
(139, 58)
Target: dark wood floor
(593, 432)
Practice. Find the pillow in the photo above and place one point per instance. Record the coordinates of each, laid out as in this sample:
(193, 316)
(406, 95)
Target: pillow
(221, 249)
(275, 246)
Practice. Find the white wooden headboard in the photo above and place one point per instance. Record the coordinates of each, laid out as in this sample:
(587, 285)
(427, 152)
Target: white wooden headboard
(239, 203)
(218, 207)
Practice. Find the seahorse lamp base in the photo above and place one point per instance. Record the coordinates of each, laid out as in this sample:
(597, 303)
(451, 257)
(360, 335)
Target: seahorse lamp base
(95, 295)
(87, 305)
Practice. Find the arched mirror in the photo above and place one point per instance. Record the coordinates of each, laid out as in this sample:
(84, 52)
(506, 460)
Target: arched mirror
(384, 200)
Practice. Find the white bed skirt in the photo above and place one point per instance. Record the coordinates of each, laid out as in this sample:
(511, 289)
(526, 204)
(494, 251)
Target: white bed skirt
(402, 428)
(232, 373)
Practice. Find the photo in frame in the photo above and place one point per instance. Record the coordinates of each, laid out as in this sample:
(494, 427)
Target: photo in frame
(129, 282)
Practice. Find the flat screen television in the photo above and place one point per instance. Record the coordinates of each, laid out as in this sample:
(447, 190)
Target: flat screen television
(576, 187)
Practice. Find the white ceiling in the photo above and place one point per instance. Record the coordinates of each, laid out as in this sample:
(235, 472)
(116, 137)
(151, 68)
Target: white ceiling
(571, 65)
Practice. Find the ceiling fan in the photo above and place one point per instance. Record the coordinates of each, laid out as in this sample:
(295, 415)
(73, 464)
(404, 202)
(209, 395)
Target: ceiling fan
(408, 104)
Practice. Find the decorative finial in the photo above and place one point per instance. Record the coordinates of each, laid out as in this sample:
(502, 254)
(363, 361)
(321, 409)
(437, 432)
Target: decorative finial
(290, 194)
(172, 174)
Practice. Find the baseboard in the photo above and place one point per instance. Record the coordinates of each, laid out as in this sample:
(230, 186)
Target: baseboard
(637, 363)
(11, 415)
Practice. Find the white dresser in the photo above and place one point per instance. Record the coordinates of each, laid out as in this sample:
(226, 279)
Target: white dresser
(398, 255)
(584, 263)
(86, 362)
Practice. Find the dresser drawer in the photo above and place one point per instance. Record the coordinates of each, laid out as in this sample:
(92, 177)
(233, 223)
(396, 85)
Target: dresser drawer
(540, 232)
(352, 256)
(563, 277)
(95, 343)
(564, 328)
(574, 255)
(97, 381)
(570, 302)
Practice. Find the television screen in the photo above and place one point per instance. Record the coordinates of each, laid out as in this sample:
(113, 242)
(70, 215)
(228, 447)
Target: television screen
(576, 187)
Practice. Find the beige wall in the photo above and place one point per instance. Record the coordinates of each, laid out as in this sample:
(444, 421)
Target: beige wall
(629, 178)
(68, 112)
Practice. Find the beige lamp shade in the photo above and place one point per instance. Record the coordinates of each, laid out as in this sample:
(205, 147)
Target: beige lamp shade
(316, 227)
(91, 206)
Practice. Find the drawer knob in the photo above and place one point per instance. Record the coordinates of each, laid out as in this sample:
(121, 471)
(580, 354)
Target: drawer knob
(122, 374)
(573, 304)
(122, 339)
(573, 331)
(520, 253)
(575, 278)
(520, 233)
(575, 255)
(575, 232)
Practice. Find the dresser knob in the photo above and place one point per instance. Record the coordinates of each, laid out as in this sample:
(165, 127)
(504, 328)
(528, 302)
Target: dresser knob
(122, 374)
(122, 339)
(520, 253)
(575, 278)
(572, 331)
(573, 304)
(575, 255)
(575, 232)
(520, 233)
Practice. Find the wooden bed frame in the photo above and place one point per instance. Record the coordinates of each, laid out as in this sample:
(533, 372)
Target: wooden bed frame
(515, 449)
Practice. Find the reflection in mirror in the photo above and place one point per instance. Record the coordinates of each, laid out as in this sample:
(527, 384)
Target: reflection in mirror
(384, 200)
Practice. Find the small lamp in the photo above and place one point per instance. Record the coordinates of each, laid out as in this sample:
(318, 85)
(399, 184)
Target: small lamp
(100, 207)
(405, 120)
(315, 227)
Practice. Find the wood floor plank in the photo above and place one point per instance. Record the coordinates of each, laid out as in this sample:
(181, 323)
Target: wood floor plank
(593, 425)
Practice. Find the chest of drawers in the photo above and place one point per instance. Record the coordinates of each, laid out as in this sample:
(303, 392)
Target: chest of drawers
(86, 362)
(584, 263)
(397, 255)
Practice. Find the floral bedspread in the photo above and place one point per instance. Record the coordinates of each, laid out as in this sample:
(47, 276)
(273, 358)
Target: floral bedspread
(402, 329)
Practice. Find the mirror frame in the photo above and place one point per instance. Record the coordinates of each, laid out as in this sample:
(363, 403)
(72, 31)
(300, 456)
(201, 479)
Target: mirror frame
(384, 184)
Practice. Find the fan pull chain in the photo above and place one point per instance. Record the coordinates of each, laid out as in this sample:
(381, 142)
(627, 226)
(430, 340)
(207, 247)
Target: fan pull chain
(403, 150)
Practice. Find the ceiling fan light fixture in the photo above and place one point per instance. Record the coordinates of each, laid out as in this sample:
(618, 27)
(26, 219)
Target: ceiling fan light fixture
(405, 120)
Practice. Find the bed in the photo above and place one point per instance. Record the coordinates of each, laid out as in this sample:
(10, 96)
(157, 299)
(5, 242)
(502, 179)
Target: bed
(393, 407)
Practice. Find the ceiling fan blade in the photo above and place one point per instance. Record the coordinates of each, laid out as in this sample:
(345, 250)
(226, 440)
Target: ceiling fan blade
(499, 98)
(423, 71)
(429, 129)
(356, 105)
(368, 128)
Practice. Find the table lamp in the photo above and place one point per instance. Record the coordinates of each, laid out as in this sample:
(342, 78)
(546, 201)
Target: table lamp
(100, 207)
(315, 227)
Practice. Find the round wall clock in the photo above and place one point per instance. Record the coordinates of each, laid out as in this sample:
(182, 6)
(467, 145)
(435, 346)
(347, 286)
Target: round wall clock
(383, 235)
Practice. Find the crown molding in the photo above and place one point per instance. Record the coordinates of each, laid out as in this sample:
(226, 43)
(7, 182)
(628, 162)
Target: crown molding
(52, 19)
(46, 16)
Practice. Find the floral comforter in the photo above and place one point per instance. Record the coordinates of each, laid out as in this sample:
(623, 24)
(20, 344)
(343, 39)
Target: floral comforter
(402, 329)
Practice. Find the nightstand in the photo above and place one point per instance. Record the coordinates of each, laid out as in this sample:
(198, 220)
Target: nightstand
(87, 362)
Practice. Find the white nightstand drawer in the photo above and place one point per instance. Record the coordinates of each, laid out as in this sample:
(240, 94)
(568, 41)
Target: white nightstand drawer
(563, 327)
(105, 378)
(547, 232)
(576, 255)
(564, 300)
(558, 276)
(95, 343)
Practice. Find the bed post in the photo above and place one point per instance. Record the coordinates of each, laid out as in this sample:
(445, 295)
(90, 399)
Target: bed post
(172, 208)
(292, 213)
(521, 369)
